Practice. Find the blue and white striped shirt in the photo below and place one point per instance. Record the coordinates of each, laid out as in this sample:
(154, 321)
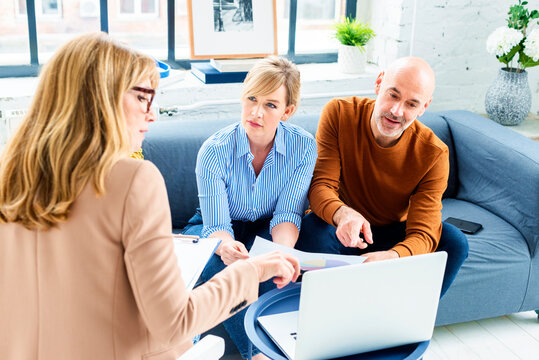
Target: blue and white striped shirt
(228, 188)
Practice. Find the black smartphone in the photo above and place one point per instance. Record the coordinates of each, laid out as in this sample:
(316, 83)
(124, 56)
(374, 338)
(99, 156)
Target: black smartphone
(467, 227)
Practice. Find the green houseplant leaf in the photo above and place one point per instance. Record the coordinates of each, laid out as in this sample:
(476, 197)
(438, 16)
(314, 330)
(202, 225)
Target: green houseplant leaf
(353, 32)
(527, 61)
(509, 56)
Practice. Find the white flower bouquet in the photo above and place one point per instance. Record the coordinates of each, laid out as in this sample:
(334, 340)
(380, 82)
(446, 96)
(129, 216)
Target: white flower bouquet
(508, 41)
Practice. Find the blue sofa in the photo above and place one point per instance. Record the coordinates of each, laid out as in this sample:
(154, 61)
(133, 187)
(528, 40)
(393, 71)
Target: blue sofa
(494, 180)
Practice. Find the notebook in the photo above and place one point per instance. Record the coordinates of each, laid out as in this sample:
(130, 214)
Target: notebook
(210, 75)
(360, 308)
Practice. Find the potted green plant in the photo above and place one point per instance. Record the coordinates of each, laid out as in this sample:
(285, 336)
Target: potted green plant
(508, 99)
(353, 35)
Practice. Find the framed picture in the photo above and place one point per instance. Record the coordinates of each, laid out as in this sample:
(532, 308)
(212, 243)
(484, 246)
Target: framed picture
(232, 28)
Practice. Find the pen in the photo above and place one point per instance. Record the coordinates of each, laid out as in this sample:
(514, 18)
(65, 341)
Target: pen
(186, 238)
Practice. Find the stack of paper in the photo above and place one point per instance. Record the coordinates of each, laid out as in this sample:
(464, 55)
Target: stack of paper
(233, 65)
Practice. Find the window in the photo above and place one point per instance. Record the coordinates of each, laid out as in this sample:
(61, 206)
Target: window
(314, 25)
(89, 8)
(181, 30)
(283, 23)
(57, 25)
(139, 8)
(304, 29)
(43, 7)
(141, 24)
(21, 7)
(14, 40)
(49, 7)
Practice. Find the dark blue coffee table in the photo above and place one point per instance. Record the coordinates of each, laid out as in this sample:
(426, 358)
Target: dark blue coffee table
(287, 299)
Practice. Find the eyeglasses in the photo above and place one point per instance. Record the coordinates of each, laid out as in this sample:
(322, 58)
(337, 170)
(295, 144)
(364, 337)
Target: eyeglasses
(142, 98)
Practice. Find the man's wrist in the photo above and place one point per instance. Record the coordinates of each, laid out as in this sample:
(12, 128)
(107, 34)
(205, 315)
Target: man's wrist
(338, 214)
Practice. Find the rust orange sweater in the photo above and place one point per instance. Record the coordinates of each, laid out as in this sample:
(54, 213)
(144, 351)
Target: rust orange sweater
(404, 182)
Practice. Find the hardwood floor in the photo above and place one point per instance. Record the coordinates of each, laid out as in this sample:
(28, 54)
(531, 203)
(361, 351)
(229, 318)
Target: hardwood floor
(508, 337)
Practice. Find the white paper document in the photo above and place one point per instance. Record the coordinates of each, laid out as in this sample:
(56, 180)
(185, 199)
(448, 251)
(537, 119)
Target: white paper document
(193, 255)
(308, 260)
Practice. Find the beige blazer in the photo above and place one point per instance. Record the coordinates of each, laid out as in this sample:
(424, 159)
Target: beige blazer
(105, 284)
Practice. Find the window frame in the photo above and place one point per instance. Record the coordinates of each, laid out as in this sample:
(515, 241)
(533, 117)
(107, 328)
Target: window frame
(32, 69)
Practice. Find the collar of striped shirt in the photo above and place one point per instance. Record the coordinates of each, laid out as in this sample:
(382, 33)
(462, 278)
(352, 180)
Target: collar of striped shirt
(242, 145)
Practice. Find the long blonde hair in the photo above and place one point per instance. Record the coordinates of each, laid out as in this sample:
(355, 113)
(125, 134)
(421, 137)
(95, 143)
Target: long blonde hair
(74, 130)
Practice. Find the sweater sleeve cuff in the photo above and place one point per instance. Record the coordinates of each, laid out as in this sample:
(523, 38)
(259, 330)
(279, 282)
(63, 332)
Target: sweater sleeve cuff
(330, 211)
(402, 250)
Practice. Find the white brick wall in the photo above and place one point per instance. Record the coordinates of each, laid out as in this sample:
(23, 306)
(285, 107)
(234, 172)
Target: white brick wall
(451, 36)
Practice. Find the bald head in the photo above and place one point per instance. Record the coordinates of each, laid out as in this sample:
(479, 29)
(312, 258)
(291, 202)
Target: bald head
(415, 70)
(404, 92)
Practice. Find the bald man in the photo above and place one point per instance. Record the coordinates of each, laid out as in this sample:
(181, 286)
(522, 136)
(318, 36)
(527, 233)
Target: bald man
(380, 175)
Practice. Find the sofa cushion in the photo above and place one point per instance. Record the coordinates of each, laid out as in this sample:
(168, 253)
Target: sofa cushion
(498, 169)
(307, 122)
(495, 274)
(440, 127)
(531, 301)
(173, 147)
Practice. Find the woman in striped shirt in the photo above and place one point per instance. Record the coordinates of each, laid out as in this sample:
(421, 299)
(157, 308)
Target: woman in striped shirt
(253, 176)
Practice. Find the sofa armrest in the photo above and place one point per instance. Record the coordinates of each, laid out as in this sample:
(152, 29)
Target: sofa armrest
(498, 169)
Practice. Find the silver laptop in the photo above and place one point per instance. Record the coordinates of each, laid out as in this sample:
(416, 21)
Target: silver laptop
(360, 308)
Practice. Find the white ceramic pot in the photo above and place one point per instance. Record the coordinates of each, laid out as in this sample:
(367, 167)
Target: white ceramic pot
(351, 60)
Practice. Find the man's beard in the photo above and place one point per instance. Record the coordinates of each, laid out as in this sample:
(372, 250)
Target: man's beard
(396, 132)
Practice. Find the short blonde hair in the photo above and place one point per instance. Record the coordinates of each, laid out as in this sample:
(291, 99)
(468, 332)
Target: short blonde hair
(269, 74)
(74, 130)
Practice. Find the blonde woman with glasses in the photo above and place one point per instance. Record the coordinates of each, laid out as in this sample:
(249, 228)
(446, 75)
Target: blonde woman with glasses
(87, 267)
